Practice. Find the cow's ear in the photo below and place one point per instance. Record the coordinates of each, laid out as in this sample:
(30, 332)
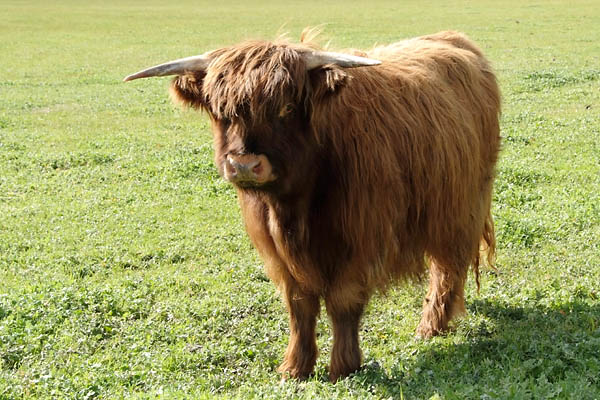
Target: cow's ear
(327, 80)
(187, 90)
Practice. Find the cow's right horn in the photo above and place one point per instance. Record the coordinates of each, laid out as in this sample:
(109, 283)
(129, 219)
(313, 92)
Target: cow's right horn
(318, 59)
(176, 67)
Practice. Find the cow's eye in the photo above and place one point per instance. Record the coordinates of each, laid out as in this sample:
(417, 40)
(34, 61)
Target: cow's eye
(286, 111)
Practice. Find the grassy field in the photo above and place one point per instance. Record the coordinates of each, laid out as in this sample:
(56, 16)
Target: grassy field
(124, 268)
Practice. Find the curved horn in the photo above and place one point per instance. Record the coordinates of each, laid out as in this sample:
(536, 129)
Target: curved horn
(317, 59)
(176, 67)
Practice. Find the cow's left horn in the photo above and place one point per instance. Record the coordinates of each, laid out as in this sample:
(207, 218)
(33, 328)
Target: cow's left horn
(176, 67)
(318, 59)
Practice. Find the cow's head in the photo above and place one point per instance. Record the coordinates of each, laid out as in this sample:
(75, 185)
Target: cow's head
(259, 96)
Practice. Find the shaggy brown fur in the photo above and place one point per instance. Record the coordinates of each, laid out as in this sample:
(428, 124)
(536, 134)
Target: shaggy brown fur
(380, 171)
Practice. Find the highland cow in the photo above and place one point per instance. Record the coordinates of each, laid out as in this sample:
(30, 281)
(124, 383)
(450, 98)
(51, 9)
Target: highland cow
(354, 171)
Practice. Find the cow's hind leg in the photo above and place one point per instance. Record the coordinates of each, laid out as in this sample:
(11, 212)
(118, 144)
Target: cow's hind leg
(445, 298)
(345, 312)
(302, 352)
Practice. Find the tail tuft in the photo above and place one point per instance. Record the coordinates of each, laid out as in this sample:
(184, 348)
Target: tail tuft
(487, 247)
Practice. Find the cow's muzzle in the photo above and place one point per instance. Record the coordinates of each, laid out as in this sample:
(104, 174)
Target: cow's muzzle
(248, 170)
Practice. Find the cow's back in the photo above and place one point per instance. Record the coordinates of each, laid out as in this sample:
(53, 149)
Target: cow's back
(417, 138)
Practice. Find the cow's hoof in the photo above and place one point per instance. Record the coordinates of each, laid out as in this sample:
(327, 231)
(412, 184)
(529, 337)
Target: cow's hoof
(335, 376)
(293, 373)
(426, 331)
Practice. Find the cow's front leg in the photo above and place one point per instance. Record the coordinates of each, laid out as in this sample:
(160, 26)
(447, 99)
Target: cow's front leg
(301, 354)
(345, 314)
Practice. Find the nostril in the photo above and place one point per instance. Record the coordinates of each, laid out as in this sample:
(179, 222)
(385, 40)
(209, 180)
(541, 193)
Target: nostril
(231, 165)
(257, 168)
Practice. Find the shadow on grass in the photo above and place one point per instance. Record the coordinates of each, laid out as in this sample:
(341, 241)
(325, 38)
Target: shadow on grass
(506, 352)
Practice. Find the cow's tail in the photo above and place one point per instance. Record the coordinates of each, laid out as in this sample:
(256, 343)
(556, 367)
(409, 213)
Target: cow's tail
(487, 248)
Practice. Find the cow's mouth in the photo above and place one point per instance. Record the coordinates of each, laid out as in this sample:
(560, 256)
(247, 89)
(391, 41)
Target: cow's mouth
(250, 184)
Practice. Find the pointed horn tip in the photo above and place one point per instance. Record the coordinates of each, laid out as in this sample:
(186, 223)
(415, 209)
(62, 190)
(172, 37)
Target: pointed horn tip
(130, 78)
(373, 61)
(137, 75)
(363, 61)
(319, 59)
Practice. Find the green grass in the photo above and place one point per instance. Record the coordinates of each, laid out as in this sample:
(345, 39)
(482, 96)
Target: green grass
(124, 268)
